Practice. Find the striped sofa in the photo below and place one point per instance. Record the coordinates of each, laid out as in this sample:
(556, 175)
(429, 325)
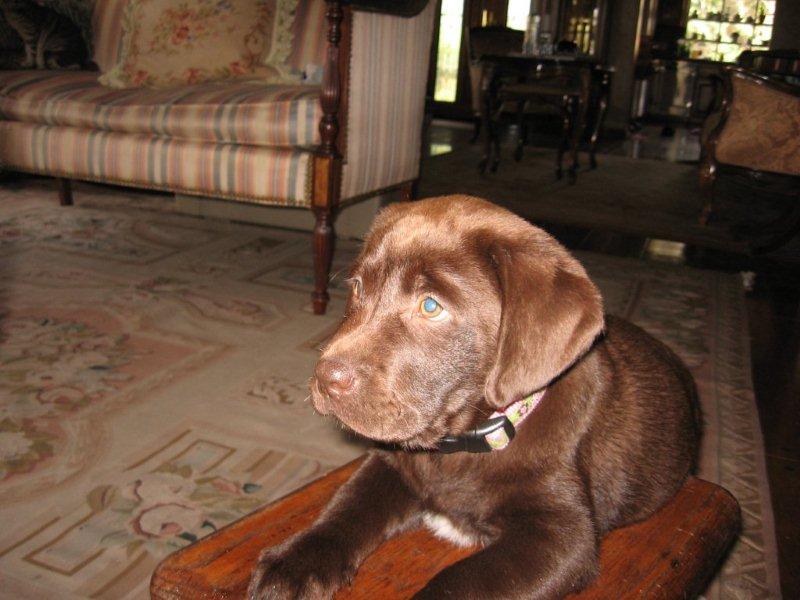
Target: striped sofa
(311, 145)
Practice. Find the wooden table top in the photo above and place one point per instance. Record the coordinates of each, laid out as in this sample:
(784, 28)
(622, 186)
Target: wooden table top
(671, 555)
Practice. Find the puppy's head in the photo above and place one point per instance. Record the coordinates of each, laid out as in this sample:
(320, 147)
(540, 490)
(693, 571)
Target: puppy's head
(457, 308)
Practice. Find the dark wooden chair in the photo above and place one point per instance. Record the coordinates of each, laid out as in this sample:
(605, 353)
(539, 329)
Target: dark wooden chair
(562, 87)
(492, 39)
(671, 555)
(781, 65)
(752, 140)
(567, 85)
(778, 65)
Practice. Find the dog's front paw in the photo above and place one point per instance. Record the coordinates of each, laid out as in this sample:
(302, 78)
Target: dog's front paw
(295, 573)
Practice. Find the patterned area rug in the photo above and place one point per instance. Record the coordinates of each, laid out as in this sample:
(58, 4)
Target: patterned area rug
(153, 372)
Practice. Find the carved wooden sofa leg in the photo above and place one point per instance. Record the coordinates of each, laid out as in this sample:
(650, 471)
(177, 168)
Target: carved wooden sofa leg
(409, 190)
(64, 191)
(323, 255)
(328, 159)
(708, 175)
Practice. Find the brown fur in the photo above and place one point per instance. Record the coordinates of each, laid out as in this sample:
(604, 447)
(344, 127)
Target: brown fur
(614, 437)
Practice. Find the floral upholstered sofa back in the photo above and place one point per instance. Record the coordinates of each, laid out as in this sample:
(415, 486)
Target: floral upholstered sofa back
(166, 43)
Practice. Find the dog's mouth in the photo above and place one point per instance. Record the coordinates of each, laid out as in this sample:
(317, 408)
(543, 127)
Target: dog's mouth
(392, 420)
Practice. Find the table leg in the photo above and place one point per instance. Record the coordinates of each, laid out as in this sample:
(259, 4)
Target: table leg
(576, 110)
(495, 139)
(599, 118)
(64, 191)
(476, 134)
(520, 131)
(487, 126)
(565, 131)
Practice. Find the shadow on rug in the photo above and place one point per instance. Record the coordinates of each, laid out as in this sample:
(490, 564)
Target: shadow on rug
(153, 373)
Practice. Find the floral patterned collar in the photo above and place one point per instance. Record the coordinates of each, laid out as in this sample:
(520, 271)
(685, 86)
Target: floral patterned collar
(495, 433)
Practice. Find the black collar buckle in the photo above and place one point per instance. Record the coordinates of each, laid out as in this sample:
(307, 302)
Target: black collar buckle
(474, 440)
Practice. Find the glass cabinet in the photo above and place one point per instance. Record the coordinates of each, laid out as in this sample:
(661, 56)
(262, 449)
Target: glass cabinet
(582, 22)
(720, 30)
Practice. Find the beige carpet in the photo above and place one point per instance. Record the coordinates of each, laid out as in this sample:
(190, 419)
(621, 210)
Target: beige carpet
(153, 373)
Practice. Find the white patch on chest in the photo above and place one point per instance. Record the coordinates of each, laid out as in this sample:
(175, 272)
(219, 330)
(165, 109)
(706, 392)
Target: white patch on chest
(443, 527)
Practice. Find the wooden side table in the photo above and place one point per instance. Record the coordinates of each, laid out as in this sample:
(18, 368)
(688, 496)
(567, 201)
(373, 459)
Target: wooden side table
(671, 555)
(578, 86)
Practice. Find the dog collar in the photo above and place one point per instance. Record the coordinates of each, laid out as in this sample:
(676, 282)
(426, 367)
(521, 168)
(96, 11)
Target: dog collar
(495, 433)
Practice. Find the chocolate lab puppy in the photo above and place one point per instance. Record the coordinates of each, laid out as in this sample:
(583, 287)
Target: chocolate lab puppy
(511, 413)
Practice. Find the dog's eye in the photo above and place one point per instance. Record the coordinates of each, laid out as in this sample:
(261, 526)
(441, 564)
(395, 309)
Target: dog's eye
(431, 309)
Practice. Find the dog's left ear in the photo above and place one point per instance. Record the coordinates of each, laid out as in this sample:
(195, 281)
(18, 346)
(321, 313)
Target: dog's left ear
(551, 313)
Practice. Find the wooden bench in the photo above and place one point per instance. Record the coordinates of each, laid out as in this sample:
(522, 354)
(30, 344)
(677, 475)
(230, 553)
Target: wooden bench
(671, 555)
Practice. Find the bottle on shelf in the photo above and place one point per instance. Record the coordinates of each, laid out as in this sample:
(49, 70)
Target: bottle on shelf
(531, 41)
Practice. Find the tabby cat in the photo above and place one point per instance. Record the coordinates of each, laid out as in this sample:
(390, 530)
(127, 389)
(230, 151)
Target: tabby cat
(50, 40)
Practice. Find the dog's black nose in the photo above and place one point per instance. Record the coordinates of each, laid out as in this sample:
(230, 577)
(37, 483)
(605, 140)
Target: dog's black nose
(335, 378)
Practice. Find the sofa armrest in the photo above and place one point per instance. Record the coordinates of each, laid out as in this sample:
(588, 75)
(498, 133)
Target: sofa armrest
(386, 83)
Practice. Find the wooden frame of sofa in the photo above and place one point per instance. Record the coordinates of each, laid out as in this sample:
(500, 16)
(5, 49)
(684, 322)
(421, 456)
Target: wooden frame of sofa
(781, 230)
(331, 154)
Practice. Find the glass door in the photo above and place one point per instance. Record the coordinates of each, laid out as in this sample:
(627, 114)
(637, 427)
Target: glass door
(449, 90)
(448, 52)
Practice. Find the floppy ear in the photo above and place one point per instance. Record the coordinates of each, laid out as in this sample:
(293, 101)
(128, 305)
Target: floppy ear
(551, 313)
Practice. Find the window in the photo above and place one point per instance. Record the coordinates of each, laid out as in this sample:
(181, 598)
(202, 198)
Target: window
(518, 11)
(448, 52)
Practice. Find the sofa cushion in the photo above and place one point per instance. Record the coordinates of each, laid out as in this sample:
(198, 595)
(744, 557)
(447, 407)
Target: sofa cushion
(243, 111)
(175, 42)
(298, 39)
(107, 33)
(275, 176)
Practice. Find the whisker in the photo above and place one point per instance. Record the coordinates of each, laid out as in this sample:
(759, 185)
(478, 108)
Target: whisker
(480, 409)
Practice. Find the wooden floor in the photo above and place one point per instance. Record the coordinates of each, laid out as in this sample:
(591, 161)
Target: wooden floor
(774, 320)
